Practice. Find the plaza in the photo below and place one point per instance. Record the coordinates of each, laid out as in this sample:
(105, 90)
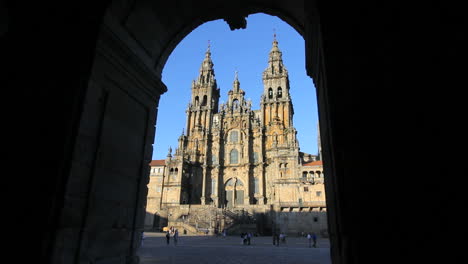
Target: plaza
(230, 250)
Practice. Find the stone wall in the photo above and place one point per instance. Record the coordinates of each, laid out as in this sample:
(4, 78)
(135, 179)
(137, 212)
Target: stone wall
(293, 221)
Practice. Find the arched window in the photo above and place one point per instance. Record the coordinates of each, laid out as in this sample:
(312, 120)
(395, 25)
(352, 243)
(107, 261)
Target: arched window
(196, 101)
(230, 182)
(234, 136)
(270, 93)
(204, 100)
(280, 92)
(234, 157)
(304, 175)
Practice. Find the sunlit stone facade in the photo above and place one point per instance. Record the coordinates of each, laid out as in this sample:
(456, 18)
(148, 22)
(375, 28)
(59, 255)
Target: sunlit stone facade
(233, 158)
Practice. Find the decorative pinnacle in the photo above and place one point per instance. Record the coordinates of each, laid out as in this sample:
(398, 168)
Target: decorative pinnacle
(275, 42)
(236, 75)
(169, 153)
(208, 50)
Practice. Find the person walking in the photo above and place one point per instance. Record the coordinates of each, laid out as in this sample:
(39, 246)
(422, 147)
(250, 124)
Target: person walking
(277, 238)
(176, 236)
(283, 237)
(249, 236)
(314, 238)
(168, 237)
(309, 238)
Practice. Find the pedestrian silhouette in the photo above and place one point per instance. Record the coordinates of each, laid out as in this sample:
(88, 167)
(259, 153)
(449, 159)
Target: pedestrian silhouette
(314, 238)
(168, 237)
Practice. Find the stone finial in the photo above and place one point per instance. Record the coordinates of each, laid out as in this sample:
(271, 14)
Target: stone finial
(236, 85)
(169, 153)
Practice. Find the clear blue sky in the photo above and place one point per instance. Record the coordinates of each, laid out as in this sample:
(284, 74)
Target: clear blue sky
(244, 50)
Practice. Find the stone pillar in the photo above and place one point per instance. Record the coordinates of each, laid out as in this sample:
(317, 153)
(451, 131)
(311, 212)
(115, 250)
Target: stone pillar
(214, 196)
(203, 198)
(118, 122)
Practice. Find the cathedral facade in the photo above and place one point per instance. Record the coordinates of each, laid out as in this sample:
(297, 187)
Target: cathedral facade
(233, 157)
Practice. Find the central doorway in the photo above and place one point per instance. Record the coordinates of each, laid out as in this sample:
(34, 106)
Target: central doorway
(234, 192)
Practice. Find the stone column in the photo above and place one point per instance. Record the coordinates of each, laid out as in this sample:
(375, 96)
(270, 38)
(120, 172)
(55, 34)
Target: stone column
(118, 122)
(203, 198)
(214, 196)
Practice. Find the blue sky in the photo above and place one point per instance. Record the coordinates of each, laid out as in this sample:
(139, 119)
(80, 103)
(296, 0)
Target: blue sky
(244, 50)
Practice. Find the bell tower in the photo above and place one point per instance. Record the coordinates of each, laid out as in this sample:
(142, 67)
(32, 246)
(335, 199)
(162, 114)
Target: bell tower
(277, 108)
(203, 105)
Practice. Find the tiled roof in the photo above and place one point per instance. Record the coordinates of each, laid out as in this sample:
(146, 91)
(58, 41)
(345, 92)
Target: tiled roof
(313, 163)
(157, 163)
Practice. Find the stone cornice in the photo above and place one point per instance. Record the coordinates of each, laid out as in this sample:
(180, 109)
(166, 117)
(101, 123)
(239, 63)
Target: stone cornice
(112, 47)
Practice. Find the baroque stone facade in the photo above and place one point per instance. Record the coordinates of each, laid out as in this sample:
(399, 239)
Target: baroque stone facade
(236, 159)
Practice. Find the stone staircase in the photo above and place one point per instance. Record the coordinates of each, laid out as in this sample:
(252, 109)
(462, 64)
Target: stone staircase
(202, 220)
(241, 221)
(186, 229)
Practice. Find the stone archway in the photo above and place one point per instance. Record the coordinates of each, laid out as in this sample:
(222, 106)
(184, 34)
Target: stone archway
(358, 54)
(111, 112)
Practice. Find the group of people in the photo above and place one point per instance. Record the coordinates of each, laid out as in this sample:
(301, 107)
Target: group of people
(174, 233)
(277, 238)
(246, 238)
(311, 237)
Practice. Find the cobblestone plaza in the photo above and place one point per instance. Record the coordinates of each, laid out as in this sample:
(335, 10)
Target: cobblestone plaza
(229, 250)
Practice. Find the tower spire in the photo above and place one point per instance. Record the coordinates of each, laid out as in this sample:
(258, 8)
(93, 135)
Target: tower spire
(275, 61)
(236, 85)
(207, 64)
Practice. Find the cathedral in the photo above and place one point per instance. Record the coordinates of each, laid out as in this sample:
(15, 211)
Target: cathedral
(231, 157)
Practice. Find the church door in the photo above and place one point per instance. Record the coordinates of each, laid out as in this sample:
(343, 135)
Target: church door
(239, 196)
(229, 198)
(234, 191)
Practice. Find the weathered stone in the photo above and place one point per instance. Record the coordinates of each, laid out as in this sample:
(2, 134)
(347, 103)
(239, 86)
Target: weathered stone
(238, 158)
